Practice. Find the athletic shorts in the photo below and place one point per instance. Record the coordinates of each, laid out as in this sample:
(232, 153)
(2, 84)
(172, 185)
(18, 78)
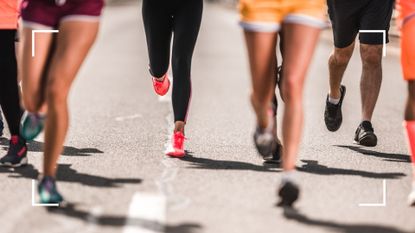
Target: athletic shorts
(349, 16)
(406, 22)
(47, 14)
(268, 15)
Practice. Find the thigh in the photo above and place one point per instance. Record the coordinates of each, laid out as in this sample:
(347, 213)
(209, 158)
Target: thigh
(344, 16)
(158, 25)
(33, 61)
(71, 50)
(376, 16)
(298, 53)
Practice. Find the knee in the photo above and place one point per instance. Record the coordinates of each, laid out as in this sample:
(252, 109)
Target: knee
(371, 55)
(56, 92)
(292, 89)
(341, 56)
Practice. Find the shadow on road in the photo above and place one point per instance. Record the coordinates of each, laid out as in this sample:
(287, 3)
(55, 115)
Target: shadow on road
(36, 146)
(293, 214)
(205, 163)
(68, 174)
(312, 166)
(385, 156)
(70, 210)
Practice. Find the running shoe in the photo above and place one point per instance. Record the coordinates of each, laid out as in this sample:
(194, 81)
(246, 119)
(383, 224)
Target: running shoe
(17, 154)
(333, 113)
(276, 153)
(288, 193)
(48, 191)
(161, 87)
(176, 148)
(264, 139)
(31, 126)
(365, 135)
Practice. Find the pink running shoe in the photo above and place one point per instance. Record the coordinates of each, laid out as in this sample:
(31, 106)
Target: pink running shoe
(161, 87)
(177, 146)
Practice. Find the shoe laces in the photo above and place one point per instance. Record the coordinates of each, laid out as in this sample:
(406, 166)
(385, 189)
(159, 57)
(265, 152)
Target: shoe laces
(178, 140)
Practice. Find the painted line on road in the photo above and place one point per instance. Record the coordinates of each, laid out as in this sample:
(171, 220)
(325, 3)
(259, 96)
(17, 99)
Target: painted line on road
(131, 117)
(147, 214)
(383, 38)
(383, 204)
(34, 204)
(34, 35)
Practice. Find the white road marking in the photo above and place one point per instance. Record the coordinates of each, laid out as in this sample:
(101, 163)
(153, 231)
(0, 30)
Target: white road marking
(34, 34)
(147, 214)
(132, 117)
(383, 37)
(33, 198)
(383, 204)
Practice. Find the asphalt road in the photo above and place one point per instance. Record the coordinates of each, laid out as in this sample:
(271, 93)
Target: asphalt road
(116, 178)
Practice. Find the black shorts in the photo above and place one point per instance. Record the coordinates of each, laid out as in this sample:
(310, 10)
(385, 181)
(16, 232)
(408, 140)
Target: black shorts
(350, 16)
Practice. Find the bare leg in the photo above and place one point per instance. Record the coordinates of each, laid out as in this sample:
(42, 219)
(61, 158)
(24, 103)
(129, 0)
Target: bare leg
(262, 59)
(338, 62)
(70, 53)
(297, 57)
(371, 78)
(32, 79)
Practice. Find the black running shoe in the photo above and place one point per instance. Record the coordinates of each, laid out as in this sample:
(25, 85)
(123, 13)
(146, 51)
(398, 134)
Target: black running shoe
(333, 114)
(365, 135)
(289, 193)
(17, 154)
(276, 154)
(264, 142)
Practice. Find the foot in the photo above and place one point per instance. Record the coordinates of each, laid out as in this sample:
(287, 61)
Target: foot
(288, 193)
(365, 135)
(48, 191)
(17, 154)
(176, 148)
(264, 139)
(333, 113)
(161, 87)
(32, 125)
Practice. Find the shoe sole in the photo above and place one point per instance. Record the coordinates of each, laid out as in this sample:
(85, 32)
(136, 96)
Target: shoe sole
(22, 163)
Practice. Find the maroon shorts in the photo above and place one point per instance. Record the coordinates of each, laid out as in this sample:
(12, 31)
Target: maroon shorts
(49, 13)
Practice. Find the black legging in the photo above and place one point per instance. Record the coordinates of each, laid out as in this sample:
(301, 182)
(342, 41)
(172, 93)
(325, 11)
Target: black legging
(162, 18)
(9, 92)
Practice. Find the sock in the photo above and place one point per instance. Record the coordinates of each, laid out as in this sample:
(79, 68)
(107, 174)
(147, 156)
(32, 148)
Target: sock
(289, 176)
(333, 100)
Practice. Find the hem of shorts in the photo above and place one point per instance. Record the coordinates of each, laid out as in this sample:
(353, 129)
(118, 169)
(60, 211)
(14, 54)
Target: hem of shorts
(35, 25)
(84, 18)
(306, 20)
(260, 26)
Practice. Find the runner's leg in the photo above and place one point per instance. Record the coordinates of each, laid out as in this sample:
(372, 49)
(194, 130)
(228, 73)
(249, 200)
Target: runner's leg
(297, 57)
(187, 20)
(70, 52)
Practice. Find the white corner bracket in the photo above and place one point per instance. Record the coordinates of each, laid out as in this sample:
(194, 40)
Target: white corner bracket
(383, 204)
(39, 31)
(383, 37)
(33, 197)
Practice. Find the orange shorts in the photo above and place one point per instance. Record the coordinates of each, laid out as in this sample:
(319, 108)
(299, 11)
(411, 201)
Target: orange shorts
(406, 21)
(268, 15)
(9, 14)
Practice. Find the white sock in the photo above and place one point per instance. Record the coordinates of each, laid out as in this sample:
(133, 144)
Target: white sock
(289, 176)
(333, 100)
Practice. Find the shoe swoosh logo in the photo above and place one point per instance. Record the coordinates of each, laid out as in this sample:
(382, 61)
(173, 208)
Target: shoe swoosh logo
(21, 152)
